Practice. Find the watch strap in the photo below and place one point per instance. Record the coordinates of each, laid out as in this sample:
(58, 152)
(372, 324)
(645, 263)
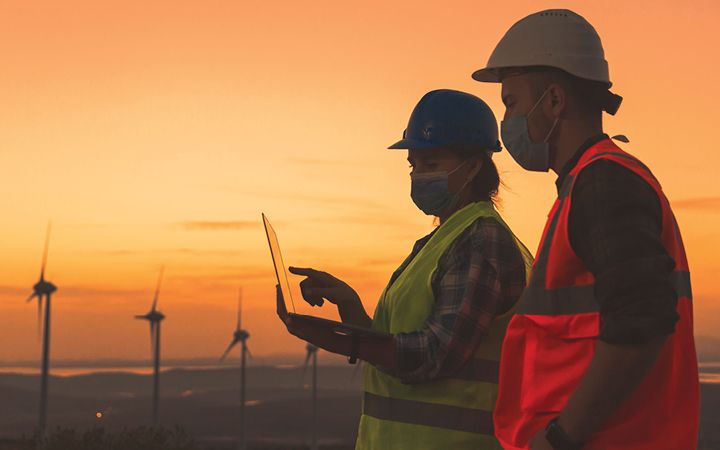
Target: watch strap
(558, 438)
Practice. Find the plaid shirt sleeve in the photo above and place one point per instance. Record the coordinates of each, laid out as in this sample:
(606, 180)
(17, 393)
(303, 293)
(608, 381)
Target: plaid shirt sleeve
(482, 274)
(615, 228)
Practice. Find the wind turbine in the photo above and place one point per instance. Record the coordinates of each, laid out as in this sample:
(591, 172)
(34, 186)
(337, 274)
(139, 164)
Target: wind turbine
(44, 289)
(312, 353)
(240, 336)
(155, 317)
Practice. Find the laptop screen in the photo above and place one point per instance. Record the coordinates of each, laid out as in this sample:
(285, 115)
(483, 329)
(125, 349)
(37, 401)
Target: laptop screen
(280, 271)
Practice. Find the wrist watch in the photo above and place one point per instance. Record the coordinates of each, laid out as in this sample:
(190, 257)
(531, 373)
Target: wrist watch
(558, 438)
(352, 358)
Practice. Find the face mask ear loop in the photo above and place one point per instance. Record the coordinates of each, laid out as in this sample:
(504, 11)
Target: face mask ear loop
(458, 167)
(433, 174)
(473, 177)
(467, 181)
(547, 138)
(537, 102)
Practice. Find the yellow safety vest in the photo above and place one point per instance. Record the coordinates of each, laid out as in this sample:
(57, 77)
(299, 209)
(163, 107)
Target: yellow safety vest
(447, 413)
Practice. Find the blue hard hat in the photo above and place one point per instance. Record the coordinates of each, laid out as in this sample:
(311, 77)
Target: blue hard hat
(446, 117)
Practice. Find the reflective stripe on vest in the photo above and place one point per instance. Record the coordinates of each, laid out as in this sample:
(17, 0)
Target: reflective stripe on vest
(581, 299)
(428, 414)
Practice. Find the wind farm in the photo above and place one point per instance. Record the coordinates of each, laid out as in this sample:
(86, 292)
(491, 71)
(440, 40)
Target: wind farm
(199, 395)
(273, 410)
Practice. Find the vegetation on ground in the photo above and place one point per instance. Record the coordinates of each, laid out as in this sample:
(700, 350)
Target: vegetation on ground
(98, 438)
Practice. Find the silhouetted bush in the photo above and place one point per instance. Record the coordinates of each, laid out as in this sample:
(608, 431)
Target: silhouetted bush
(143, 438)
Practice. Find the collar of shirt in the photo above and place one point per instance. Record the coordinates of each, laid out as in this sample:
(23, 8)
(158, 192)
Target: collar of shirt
(572, 162)
(419, 244)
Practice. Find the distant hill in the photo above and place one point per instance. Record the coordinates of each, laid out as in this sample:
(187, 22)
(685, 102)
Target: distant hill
(279, 359)
(204, 401)
(708, 348)
(178, 382)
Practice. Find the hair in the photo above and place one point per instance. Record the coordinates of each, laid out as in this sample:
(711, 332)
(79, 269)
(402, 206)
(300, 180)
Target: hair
(486, 183)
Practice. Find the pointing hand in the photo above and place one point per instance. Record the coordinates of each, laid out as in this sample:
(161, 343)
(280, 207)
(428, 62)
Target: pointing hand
(321, 285)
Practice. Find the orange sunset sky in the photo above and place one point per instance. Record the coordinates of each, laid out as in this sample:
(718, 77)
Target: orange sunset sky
(155, 132)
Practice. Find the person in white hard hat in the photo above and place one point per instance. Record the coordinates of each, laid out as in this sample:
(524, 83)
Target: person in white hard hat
(600, 354)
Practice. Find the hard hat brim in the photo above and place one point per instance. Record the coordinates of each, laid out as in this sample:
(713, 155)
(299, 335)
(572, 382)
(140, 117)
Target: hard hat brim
(487, 75)
(415, 144)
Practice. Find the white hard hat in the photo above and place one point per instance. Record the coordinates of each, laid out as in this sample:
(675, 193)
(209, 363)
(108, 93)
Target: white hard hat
(556, 38)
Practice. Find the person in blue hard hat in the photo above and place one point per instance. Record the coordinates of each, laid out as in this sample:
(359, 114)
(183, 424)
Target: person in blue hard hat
(433, 383)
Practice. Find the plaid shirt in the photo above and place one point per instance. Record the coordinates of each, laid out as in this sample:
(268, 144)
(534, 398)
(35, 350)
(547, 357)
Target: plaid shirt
(481, 275)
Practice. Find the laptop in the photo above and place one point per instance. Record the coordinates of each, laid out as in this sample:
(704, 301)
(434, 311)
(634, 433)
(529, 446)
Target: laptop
(282, 279)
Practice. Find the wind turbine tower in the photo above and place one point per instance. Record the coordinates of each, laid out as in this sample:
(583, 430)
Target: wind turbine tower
(240, 336)
(155, 318)
(312, 354)
(43, 291)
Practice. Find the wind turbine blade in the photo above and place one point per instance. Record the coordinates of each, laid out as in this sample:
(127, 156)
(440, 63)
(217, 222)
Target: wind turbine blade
(247, 349)
(157, 288)
(32, 297)
(45, 251)
(232, 344)
(239, 321)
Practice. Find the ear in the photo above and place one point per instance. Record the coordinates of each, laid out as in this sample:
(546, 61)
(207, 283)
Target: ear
(557, 100)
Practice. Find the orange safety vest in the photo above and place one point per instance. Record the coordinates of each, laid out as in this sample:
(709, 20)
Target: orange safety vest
(551, 340)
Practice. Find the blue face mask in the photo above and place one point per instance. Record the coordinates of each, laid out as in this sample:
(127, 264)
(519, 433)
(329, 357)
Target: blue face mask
(534, 156)
(431, 193)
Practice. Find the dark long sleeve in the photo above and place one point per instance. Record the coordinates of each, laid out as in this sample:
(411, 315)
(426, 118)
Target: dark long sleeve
(480, 276)
(615, 228)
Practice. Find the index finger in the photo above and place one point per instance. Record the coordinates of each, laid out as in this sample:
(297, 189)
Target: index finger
(308, 272)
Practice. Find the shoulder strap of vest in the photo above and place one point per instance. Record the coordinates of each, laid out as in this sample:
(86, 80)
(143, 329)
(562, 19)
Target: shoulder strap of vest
(454, 226)
(609, 150)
